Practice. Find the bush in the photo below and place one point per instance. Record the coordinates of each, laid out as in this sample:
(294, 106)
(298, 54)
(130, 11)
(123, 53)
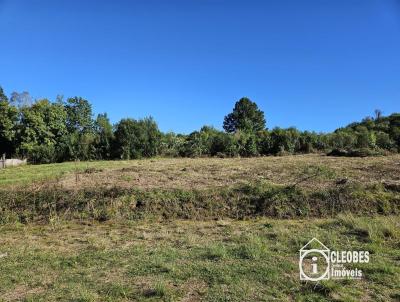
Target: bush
(362, 152)
(43, 154)
(384, 141)
(337, 152)
(264, 142)
(172, 145)
(284, 140)
(224, 145)
(247, 144)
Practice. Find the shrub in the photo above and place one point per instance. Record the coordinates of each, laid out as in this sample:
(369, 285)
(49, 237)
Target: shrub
(337, 152)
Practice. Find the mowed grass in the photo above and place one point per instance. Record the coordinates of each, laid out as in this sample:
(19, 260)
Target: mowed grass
(225, 260)
(27, 174)
(309, 171)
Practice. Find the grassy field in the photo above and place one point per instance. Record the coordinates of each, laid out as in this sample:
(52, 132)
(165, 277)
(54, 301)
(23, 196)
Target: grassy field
(197, 229)
(308, 170)
(223, 260)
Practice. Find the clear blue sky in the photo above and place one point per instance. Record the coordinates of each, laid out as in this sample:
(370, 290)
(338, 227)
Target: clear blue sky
(315, 65)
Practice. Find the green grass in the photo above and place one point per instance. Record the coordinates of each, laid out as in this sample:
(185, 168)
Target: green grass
(255, 260)
(26, 174)
(50, 202)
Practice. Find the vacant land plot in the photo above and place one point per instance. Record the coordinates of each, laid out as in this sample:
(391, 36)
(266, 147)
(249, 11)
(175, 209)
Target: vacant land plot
(203, 188)
(197, 229)
(305, 170)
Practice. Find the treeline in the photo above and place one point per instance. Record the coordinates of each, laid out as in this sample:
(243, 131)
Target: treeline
(44, 131)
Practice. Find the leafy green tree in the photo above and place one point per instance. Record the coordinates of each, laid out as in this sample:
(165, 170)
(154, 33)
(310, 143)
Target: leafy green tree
(8, 123)
(67, 148)
(87, 146)
(79, 115)
(42, 126)
(136, 139)
(45, 132)
(125, 139)
(245, 116)
(104, 136)
(80, 130)
(149, 137)
(56, 117)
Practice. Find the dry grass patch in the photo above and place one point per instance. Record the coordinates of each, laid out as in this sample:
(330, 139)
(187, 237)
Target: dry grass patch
(309, 171)
(205, 172)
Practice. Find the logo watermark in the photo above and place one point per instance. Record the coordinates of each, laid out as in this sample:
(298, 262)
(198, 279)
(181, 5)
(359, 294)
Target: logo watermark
(317, 262)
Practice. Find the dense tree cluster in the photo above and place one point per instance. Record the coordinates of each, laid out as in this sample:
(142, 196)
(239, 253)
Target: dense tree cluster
(45, 132)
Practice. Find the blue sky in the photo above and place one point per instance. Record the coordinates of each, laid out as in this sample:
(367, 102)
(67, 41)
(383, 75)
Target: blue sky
(316, 65)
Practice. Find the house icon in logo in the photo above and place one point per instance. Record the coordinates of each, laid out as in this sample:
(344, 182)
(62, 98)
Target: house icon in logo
(312, 255)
